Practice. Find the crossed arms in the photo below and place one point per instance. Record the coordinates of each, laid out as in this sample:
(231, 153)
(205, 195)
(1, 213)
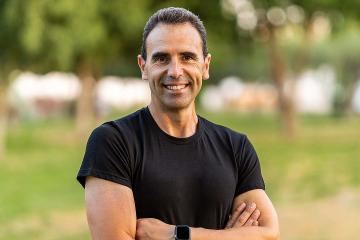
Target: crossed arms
(111, 215)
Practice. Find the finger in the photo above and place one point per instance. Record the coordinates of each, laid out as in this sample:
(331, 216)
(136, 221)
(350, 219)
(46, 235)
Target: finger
(230, 222)
(245, 215)
(249, 222)
(255, 215)
(235, 215)
(255, 223)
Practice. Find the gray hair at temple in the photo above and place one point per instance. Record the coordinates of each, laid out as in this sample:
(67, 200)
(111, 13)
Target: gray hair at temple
(173, 15)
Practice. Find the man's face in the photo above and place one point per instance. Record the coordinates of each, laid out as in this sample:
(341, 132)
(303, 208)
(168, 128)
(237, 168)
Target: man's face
(175, 65)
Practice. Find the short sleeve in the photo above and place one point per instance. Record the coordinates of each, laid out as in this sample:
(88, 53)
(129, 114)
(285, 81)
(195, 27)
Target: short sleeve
(249, 173)
(106, 156)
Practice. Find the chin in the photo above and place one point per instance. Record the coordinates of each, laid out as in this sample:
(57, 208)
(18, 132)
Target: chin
(177, 105)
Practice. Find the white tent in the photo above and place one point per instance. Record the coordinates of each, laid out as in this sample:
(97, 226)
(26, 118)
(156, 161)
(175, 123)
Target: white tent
(121, 93)
(356, 98)
(314, 90)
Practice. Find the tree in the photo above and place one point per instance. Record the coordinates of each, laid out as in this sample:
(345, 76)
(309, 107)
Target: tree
(77, 36)
(266, 20)
(88, 38)
(10, 59)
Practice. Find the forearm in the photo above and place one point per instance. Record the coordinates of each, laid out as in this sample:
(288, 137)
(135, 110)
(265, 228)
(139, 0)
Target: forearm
(151, 228)
(243, 233)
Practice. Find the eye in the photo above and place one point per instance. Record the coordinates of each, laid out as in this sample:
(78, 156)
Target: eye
(187, 57)
(160, 59)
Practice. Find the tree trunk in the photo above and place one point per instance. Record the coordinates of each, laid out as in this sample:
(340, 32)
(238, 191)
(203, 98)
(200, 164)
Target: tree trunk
(85, 104)
(3, 120)
(285, 89)
(303, 51)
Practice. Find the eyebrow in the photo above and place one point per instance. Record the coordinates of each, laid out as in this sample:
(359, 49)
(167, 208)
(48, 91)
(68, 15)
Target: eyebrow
(156, 55)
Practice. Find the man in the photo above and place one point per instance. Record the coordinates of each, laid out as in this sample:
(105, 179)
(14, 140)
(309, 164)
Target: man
(164, 172)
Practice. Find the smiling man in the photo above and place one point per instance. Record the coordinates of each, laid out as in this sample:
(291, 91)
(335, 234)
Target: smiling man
(164, 172)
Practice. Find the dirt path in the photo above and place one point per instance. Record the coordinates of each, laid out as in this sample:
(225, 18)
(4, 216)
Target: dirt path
(335, 218)
(50, 226)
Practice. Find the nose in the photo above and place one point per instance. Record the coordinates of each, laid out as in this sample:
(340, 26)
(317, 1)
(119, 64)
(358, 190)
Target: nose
(175, 69)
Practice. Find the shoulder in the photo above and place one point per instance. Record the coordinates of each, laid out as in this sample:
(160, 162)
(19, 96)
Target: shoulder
(131, 121)
(122, 128)
(217, 130)
(227, 138)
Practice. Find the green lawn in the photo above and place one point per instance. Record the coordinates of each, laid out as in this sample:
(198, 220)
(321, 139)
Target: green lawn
(40, 198)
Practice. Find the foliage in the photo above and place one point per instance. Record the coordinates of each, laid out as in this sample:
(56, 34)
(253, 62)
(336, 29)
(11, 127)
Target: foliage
(57, 34)
(52, 35)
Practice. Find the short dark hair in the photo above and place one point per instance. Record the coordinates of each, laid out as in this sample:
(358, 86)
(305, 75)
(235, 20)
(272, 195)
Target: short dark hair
(173, 15)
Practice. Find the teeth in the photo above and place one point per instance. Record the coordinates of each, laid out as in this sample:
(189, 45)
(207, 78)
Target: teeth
(175, 87)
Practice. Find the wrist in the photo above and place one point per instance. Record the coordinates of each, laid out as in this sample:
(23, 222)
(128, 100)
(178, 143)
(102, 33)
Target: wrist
(203, 233)
(196, 233)
(182, 232)
(171, 232)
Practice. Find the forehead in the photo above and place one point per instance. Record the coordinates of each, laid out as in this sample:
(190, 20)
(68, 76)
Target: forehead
(174, 37)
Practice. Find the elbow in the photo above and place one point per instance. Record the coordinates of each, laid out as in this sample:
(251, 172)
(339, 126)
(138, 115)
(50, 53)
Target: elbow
(275, 236)
(128, 237)
(122, 236)
(272, 234)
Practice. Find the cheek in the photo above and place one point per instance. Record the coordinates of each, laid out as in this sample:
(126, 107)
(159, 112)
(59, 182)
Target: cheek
(195, 71)
(155, 68)
(156, 72)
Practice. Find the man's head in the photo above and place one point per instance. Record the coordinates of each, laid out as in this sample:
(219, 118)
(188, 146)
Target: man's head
(174, 58)
(173, 15)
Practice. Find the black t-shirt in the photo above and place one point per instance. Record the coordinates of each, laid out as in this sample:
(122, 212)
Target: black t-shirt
(191, 180)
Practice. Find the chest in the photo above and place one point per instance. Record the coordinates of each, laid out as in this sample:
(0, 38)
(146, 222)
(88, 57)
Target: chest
(190, 176)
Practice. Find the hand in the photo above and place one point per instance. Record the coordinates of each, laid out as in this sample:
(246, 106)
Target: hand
(244, 216)
(153, 229)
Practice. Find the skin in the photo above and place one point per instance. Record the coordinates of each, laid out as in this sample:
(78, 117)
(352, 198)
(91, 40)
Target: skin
(175, 69)
(174, 58)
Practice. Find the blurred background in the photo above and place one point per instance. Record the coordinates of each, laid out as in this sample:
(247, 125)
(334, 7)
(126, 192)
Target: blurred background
(286, 73)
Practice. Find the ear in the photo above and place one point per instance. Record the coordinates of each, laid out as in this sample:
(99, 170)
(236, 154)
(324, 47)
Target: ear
(206, 67)
(141, 63)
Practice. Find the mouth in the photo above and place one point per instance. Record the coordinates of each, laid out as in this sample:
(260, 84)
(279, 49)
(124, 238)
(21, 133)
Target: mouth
(176, 87)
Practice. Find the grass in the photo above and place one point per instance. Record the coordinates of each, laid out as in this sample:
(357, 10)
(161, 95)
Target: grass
(320, 161)
(40, 198)
(37, 179)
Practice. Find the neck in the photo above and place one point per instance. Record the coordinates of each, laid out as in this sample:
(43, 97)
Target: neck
(177, 123)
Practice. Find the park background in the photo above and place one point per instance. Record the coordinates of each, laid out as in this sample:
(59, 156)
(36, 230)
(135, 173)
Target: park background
(262, 51)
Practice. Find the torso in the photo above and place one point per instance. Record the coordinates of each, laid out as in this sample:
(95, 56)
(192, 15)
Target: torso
(183, 180)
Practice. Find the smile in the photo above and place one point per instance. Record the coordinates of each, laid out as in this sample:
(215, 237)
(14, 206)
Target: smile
(176, 87)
